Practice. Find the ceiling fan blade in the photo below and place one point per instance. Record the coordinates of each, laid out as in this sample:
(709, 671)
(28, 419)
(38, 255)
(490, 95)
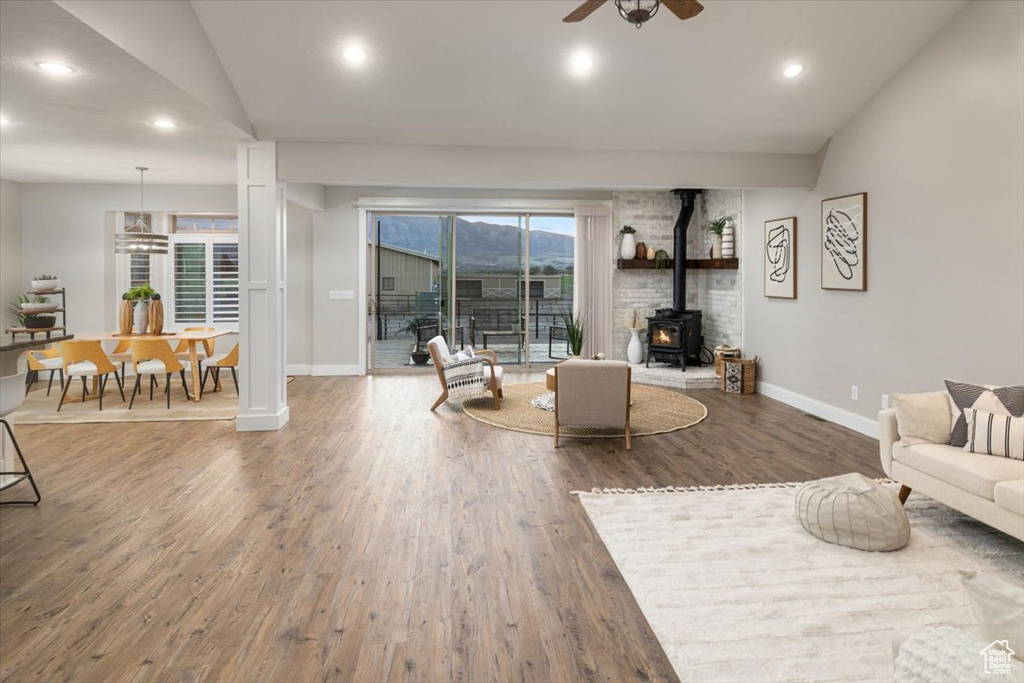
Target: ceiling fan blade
(684, 9)
(583, 11)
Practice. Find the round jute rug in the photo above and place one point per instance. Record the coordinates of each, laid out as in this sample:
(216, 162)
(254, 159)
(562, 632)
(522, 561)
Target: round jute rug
(654, 411)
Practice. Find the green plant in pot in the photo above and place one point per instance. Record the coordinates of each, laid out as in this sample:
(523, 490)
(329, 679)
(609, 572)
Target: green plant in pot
(420, 356)
(30, 319)
(141, 295)
(661, 259)
(627, 250)
(574, 325)
(716, 227)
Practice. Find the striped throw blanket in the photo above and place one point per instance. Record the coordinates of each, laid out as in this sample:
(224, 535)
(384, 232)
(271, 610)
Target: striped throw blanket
(464, 379)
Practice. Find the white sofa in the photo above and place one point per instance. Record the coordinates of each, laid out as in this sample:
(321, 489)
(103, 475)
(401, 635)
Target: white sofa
(987, 487)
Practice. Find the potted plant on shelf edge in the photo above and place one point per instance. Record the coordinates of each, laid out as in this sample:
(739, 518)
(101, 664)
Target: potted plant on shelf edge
(716, 228)
(627, 250)
(45, 283)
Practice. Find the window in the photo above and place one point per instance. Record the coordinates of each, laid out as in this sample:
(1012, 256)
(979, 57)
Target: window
(204, 276)
(139, 272)
(387, 284)
(470, 289)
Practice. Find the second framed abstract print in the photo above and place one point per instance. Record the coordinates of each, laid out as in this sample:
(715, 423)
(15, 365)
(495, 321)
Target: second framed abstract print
(780, 258)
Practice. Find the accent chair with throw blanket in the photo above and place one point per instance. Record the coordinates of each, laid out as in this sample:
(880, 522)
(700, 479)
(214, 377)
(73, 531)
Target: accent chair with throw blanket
(466, 374)
(592, 393)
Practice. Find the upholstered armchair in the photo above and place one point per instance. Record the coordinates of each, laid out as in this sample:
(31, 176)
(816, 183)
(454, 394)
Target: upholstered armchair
(592, 393)
(492, 371)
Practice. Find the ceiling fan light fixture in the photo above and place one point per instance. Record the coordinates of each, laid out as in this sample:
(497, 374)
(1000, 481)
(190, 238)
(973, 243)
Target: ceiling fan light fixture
(637, 12)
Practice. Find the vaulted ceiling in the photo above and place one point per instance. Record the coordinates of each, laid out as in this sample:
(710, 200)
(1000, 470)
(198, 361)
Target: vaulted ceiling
(487, 73)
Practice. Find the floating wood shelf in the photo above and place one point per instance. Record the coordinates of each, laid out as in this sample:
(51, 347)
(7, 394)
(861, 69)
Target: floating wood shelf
(696, 264)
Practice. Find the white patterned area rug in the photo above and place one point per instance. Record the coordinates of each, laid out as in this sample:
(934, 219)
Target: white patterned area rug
(736, 590)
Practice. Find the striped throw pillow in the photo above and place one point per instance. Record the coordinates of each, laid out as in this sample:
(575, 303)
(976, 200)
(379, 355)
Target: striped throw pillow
(990, 434)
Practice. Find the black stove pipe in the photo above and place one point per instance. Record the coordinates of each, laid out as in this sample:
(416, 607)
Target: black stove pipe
(687, 200)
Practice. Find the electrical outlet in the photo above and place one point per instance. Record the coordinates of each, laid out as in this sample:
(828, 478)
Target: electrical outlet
(885, 401)
(853, 391)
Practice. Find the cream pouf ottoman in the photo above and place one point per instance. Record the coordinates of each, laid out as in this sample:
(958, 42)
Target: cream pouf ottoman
(853, 511)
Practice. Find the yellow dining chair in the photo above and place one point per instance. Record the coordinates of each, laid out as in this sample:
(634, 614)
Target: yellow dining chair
(154, 357)
(42, 361)
(213, 364)
(85, 359)
(181, 350)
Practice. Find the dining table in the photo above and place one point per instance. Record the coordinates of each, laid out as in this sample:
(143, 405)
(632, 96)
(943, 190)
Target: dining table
(192, 337)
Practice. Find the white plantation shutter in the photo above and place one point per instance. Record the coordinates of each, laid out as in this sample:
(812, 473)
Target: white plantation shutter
(190, 275)
(205, 280)
(225, 282)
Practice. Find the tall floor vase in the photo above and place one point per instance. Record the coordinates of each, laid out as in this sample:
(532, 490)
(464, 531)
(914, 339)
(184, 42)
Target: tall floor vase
(635, 350)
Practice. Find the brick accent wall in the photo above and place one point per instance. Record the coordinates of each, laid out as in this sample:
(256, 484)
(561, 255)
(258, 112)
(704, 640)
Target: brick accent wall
(716, 292)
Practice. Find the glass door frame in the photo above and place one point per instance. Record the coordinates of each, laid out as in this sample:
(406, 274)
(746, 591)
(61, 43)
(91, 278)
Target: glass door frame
(369, 228)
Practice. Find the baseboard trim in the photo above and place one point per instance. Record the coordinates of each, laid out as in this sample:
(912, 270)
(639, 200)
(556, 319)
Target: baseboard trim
(857, 423)
(261, 422)
(324, 370)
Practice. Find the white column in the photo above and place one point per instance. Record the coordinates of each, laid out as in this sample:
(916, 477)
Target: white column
(263, 400)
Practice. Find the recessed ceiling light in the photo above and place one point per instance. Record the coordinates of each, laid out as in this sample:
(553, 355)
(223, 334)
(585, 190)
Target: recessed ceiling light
(55, 68)
(581, 63)
(4, 122)
(164, 123)
(793, 70)
(354, 54)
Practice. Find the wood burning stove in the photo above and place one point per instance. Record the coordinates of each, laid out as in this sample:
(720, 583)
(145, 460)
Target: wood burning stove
(674, 335)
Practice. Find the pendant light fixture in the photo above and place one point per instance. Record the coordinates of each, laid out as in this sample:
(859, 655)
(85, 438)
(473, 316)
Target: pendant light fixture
(138, 238)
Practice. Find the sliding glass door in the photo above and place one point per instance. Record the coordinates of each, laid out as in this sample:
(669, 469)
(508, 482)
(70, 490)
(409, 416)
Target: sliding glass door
(494, 281)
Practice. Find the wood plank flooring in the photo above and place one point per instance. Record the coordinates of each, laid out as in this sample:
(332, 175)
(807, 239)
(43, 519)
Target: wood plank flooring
(369, 540)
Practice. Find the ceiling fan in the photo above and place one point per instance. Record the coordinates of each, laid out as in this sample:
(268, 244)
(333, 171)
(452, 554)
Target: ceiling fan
(637, 12)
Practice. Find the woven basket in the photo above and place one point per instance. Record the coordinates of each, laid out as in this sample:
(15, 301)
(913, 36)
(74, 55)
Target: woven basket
(724, 351)
(739, 375)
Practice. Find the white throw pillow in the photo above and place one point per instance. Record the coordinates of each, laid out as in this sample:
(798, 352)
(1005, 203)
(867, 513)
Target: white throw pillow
(923, 418)
(999, 608)
(464, 354)
(994, 434)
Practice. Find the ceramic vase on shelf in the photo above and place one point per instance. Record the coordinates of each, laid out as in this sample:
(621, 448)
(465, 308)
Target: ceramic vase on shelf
(716, 246)
(141, 317)
(650, 253)
(641, 250)
(729, 241)
(635, 350)
(628, 249)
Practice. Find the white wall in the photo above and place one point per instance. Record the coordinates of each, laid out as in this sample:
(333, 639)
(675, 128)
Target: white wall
(530, 169)
(65, 232)
(11, 284)
(299, 290)
(939, 152)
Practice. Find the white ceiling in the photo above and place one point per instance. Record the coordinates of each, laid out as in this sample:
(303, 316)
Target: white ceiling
(484, 73)
(492, 73)
(95, 125)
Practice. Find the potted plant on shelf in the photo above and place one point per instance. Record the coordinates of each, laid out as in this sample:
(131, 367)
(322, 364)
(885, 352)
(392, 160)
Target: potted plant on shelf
(141, 295)
(635, 349)
(574, 325)
(45, 283)
(627, 250)
(419, 355)
(716, 228)
(35, 313)
(661, 259)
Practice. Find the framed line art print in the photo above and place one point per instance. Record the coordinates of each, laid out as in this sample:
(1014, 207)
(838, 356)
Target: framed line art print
(844, 242)
(780, 258)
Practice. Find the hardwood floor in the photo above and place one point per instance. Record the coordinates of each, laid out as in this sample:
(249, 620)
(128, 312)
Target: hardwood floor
(369, 540)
